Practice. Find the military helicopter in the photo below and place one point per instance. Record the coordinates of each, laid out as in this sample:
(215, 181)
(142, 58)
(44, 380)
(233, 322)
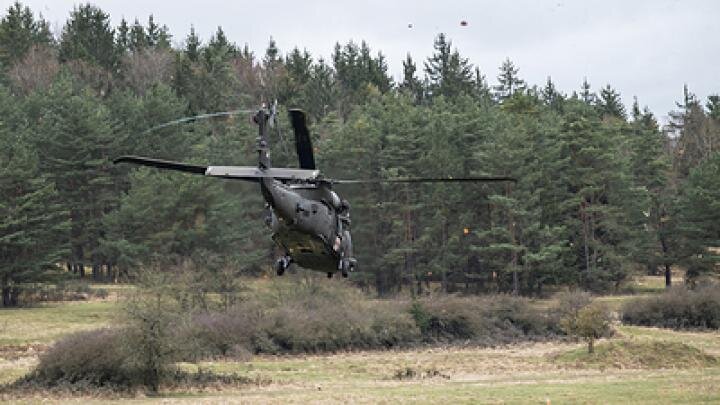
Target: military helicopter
(310, 223)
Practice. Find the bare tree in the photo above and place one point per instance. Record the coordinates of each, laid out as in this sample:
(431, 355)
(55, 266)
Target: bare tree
(147, 67)
(35, 71)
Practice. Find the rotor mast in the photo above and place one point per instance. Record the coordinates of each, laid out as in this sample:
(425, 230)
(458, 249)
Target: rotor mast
(263, 144)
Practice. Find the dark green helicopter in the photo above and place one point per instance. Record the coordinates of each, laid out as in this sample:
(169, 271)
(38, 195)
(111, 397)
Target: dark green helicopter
(309, 221)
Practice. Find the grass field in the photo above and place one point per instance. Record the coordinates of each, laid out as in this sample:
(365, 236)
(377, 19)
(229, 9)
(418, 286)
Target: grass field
(539, 373)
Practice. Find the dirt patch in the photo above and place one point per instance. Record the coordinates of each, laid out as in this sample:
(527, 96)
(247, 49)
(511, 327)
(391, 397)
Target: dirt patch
(14, 352)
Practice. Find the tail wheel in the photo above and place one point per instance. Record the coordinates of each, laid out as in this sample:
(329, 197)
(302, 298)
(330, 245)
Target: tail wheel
(344, 268)
(281, 265)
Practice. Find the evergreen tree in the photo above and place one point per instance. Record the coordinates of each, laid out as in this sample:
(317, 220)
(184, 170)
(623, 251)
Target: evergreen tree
(87, 35)
(411, 84)
(298, 69)
(33, 224)
(75, 140)
(19, 31)
(508, 81)
(153, 32)
(697, 136)
(192, 46)
(586, 94)
(609, 103)
(138, 37)
(551, 96)
(122, 39)
(320, 90)
(450, 74)
(713, 106)
(700, 219)
(482, 89)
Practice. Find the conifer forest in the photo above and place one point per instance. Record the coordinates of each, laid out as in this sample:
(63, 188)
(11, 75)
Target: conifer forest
(604, 192)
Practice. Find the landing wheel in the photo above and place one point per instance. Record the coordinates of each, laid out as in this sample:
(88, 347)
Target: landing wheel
(344, 268)
(281, 265)
(330, 274)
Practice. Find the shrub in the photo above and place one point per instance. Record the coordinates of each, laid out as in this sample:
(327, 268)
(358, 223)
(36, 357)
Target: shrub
(677, 308)
(220, 334)
(335, 320)
(591, 322)
(96, 358)
(571, 302)
(489, 320)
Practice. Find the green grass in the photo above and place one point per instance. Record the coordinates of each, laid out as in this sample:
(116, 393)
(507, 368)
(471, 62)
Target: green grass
(641, 365)
(640, 354)
(44, 324)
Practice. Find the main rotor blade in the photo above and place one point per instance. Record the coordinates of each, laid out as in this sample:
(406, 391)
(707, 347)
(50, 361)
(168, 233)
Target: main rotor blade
(478, 179)
(162, 164)
(195, 118)
(303, 145)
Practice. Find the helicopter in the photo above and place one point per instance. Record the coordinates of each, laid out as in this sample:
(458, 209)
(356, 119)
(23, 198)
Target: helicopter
(310, 223)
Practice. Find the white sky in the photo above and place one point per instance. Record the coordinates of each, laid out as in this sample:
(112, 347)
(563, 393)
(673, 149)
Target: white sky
(643, 48)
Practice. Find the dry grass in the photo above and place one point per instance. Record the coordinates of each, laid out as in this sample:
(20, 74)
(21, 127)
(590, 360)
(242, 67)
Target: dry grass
(521, 373)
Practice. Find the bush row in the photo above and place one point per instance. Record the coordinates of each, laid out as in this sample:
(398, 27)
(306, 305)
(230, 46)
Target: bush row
(285, 319)
(678, 308)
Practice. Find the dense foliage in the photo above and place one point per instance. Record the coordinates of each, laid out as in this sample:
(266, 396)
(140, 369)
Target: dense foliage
(162, 325)
(677, 308)
(602, 192)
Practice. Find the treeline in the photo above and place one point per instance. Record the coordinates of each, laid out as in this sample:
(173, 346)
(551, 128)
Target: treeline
(602, 192)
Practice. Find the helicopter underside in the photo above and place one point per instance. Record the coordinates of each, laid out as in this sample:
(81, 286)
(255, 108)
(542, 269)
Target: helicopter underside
(307, 251)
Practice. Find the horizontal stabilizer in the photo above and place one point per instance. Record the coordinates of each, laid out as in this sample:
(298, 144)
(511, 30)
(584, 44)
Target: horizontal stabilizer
(240, 172)
(247, 173)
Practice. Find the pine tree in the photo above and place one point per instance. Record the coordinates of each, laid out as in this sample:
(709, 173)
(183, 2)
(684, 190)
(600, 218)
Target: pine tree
(610, 104)
(75, 140)
(713, 106)
(138, 37)
(700, 219)
(320, 90)
(298, 68)
(697, 136)
(153, 32)
(122, 39)
(411, 84)
(87, 35)
(550, 95)
(33, 224)
(508, 81)
(19, 31)
(450, 74)
(586, 94)
(192, 45)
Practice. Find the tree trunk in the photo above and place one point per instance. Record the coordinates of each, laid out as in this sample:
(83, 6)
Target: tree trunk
(583, 216)
(6, 302)
(591, 346)
(80, 269)
(668, 273)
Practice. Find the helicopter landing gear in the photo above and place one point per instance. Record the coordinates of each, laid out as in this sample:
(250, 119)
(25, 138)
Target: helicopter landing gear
(344, 267)
(282, 264)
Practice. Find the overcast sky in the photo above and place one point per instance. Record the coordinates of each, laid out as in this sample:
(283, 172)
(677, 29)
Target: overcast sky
(647, 49)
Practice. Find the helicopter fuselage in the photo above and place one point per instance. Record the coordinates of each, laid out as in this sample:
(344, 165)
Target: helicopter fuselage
(306, 224)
